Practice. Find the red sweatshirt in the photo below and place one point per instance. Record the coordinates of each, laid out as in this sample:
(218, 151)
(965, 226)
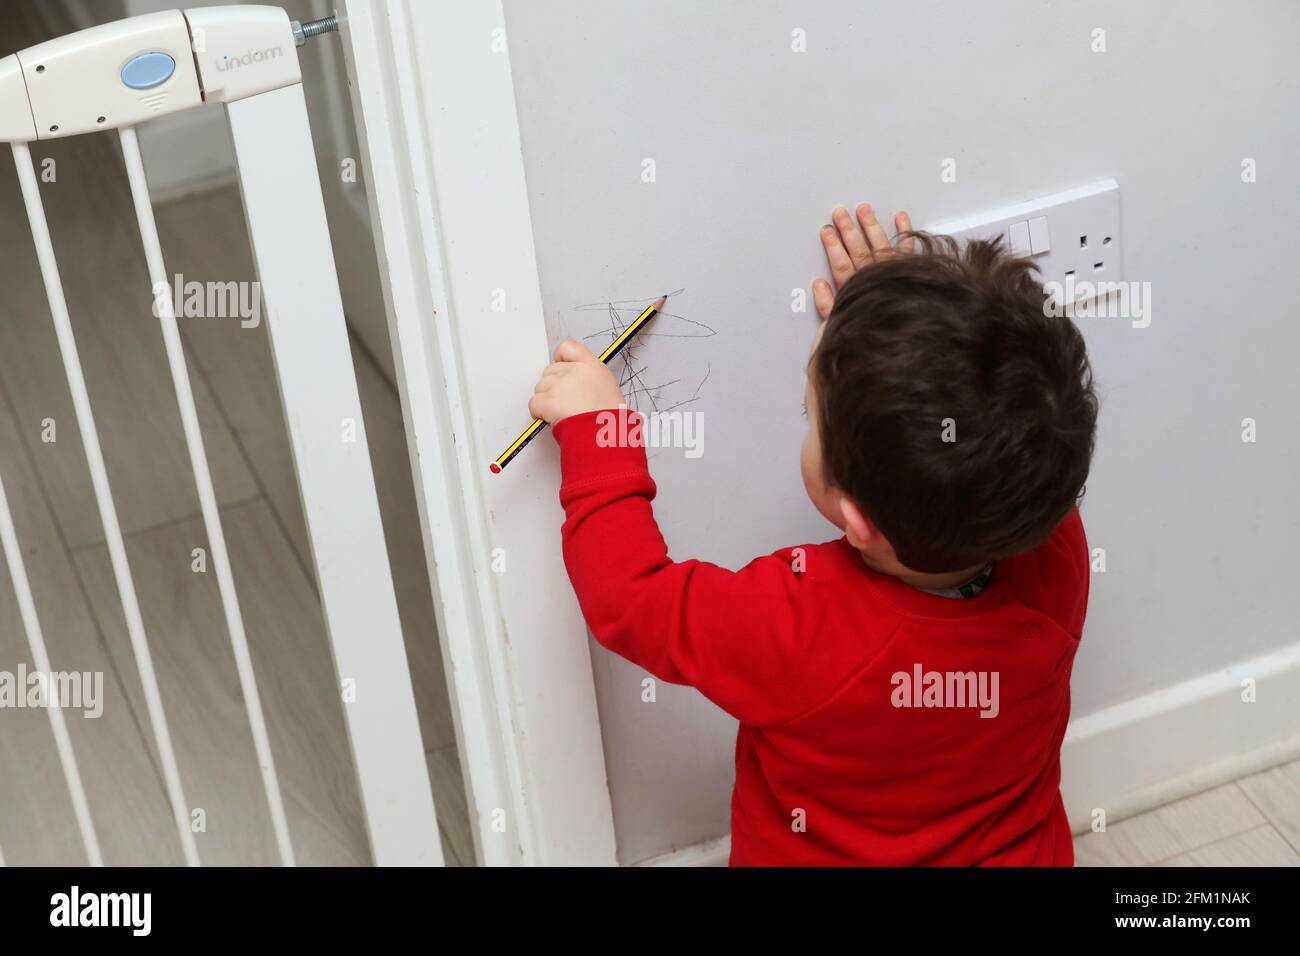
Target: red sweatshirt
(837, 673)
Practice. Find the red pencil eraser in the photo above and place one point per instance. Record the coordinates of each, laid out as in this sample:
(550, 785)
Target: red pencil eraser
(494, 468)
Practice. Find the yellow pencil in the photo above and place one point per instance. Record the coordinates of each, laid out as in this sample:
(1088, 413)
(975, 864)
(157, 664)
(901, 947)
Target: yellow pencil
(640, 322)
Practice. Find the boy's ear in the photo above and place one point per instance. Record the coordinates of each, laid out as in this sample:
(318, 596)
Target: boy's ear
(857, 526)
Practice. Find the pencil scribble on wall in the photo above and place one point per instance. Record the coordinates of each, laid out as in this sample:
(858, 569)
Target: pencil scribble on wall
(646, 392)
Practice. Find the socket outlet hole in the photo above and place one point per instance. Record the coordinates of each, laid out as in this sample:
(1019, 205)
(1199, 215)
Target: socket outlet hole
(1106, 241)
(1069, 272)
(1083, 242)
(1098, 266)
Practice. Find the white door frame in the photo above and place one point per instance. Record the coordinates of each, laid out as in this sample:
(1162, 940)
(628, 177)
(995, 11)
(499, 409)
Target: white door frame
(435, 105)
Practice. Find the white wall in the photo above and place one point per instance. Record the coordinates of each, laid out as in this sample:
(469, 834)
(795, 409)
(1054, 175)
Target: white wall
(754, 144)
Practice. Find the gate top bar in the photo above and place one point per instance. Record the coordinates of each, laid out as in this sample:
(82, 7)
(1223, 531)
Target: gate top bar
(124, 73)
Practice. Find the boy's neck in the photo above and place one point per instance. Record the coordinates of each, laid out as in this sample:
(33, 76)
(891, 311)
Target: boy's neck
(941, 582)
(928, 582)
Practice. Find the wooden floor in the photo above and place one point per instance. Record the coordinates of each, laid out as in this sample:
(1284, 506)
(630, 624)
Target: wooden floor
(48, 484)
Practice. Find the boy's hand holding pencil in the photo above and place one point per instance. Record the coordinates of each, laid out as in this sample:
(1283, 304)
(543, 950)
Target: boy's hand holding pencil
(576, 382)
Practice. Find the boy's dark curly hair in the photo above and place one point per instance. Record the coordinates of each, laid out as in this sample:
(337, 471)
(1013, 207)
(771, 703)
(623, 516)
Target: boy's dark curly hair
(954, 409)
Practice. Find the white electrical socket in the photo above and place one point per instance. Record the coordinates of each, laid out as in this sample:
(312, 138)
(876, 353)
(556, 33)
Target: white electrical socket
(1072, 237)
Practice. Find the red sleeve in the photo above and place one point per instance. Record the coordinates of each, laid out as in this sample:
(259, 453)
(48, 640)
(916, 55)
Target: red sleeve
(736, 636)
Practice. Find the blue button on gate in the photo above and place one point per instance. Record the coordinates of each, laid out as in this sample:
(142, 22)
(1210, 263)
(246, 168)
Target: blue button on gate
(148, 70)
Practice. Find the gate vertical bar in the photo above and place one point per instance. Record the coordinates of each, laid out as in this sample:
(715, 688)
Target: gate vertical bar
(104, 495)
(41, 660)
(309, 341)
(203, 483)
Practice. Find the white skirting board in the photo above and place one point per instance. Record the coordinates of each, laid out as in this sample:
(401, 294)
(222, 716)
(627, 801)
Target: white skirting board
(1183, 739)
(1154, 749)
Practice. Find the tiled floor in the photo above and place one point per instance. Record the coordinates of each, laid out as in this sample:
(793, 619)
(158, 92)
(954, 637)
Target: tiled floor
(1252, 822)
(58, 524)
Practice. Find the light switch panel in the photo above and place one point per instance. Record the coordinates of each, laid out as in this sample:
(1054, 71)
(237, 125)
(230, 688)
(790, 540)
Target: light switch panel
(1018, 237)
(1038, 241)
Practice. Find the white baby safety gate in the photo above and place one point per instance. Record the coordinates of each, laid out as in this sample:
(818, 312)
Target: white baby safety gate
(116, 76)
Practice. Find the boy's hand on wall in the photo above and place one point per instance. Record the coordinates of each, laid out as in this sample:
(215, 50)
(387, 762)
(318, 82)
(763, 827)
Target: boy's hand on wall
(576, 382)
(850, 248)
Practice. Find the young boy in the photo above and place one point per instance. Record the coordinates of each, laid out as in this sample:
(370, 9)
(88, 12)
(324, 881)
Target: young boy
(903, 690)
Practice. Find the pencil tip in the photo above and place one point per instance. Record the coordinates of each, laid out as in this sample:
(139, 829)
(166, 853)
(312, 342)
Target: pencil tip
(659, 303)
